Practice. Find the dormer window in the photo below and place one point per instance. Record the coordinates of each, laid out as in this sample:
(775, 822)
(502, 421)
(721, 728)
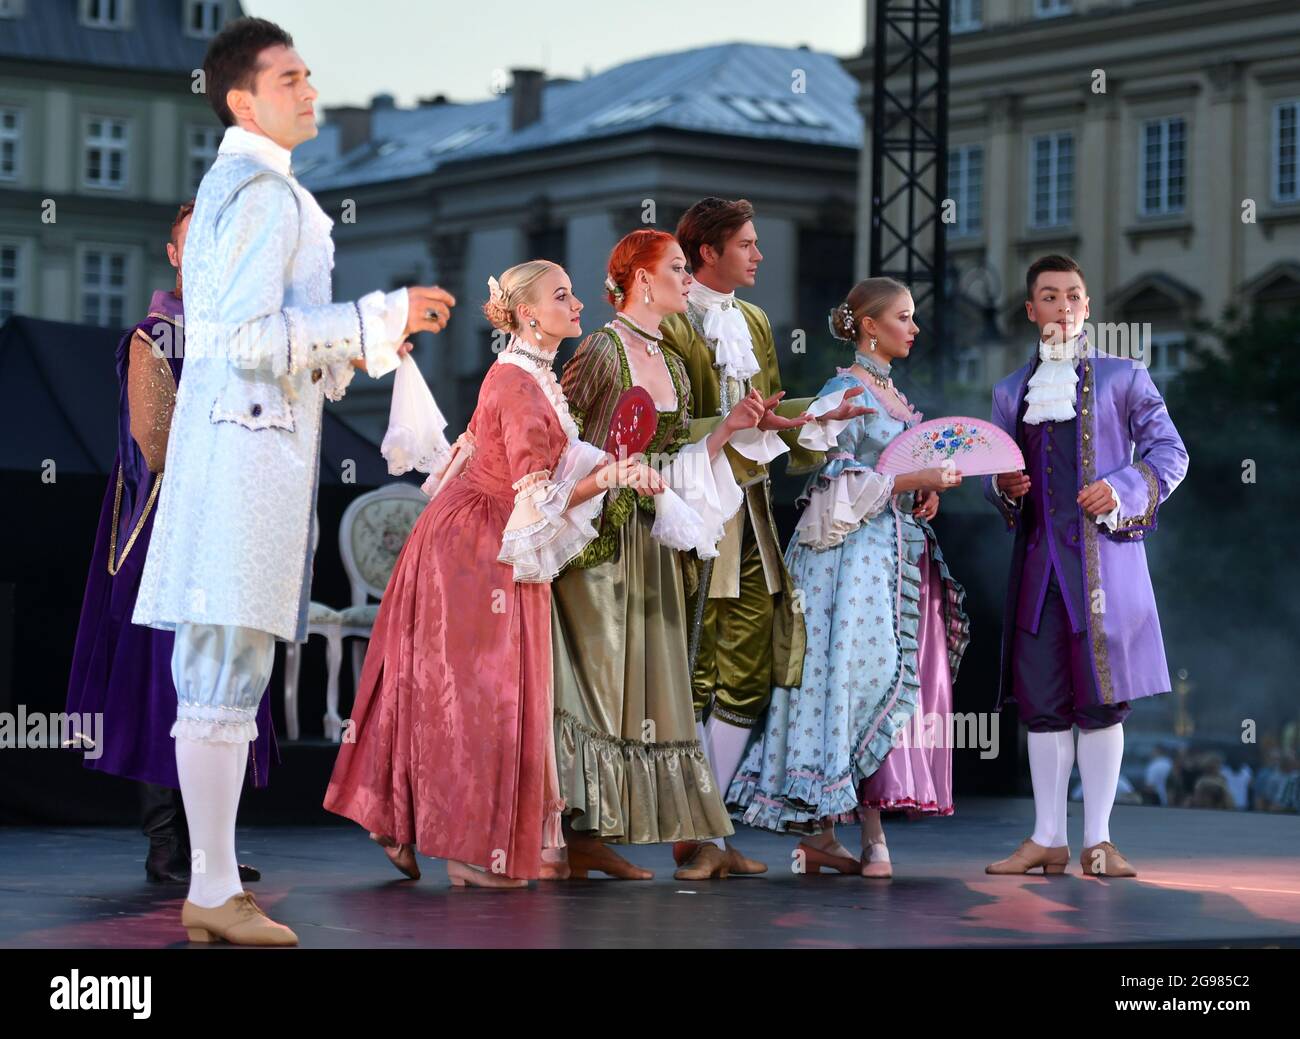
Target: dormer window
(202, 17)
(104, 14)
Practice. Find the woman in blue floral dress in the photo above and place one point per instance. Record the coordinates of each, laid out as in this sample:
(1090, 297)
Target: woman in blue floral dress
(886, 627)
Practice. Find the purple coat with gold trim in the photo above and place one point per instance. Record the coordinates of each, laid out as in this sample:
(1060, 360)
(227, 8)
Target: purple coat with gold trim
(1123, 434)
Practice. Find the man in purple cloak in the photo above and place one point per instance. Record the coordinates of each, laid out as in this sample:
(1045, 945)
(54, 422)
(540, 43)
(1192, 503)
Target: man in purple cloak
(1081, 635)
(121, 670)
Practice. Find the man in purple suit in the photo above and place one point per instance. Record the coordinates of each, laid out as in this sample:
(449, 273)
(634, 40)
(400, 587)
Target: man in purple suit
(1081, 636)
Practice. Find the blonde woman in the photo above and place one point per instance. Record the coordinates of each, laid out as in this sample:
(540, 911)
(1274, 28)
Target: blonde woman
(886, 628)
(453, 754)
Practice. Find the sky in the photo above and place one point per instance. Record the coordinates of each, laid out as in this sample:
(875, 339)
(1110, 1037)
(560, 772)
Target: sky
(419, 48)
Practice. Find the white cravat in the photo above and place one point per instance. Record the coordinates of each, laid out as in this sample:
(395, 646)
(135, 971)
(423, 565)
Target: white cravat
(725, 327)
(733, 348)
(238, 141)
(1051, 391)
(1050, 398)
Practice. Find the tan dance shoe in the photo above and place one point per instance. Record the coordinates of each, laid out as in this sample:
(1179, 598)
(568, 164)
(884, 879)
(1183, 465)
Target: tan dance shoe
(708, 862)
(739, 864)
(1104, 860)
(876, 864)
(400, 855)
(461, 874)
(815, 859)
(239, 920)
(1030, 856)
(591, 854)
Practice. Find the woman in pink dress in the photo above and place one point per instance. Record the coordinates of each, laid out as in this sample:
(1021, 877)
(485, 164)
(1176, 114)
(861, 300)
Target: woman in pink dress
(453, 753)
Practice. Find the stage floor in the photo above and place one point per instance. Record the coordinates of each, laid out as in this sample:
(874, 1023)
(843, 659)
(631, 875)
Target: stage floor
(1207, 878)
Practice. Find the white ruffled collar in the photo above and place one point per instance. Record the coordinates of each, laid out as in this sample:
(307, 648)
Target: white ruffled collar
(545, 378)
(238, 141)
(725, 327)
(1051, 390)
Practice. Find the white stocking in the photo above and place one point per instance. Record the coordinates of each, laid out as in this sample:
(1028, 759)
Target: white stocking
(1051, 758)
(1100, 753)
(212, 776)
(724, 746)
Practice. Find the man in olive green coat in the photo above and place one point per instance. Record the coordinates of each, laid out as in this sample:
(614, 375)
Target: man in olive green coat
(752, 636)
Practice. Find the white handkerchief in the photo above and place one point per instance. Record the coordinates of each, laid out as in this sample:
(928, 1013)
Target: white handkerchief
(415, 438)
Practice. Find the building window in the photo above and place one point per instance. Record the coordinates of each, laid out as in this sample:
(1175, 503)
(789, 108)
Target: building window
(202, 17)
(1285, 117)
(1164, 166)
(103, 287)
(8, 281)
(104, 14)
(1051, 8)
(202, 150)
(966, 189)
(1167, 358)
(11, 136)
(967, 16)
(1051, 180)
(105, 153)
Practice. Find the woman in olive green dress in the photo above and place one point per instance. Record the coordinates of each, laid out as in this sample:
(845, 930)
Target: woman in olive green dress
(631, 766)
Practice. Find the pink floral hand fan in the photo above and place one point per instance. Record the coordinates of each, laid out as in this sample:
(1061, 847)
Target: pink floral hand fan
(976, 447)
(634, 423)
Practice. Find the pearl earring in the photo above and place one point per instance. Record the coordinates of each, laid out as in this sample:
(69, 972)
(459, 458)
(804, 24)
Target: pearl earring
(873, 344)
(646, 297)
(538, 335)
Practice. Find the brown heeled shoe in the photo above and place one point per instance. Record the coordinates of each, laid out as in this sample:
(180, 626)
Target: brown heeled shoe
(1030, 856)
(400, 855)
(1104, 860)
(586, 854)
(707, 863)
(462, 874)
(817, 858)
(239, 920)
(742, 865)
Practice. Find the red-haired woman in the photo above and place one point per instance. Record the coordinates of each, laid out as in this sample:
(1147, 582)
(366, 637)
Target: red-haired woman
(631, 766)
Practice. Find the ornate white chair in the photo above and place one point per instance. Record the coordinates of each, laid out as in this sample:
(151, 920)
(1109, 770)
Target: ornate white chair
(374, 529)
(321, 620)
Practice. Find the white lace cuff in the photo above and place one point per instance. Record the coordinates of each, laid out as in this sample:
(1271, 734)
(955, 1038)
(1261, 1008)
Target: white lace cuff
(837, 508)
(543, 533)
(383, 319)
(707, 489)
(759, 445)
(1110, 520)
(823, 434)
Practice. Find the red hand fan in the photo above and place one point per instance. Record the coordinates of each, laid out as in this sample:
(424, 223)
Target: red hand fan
(976, 447)
(634, 423)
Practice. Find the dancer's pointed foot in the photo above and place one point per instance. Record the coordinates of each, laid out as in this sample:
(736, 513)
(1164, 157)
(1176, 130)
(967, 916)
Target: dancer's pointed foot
(741, 864)
(588, 853)
(708, 862)
(462, 874)
(1030, 856)
(1104, 860)
(239, 920)
(875, 861)
(835, 857)
(400, 855)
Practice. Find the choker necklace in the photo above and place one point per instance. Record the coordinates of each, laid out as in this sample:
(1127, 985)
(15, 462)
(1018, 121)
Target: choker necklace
(879, 375)
(651, 342)
(540, 360)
